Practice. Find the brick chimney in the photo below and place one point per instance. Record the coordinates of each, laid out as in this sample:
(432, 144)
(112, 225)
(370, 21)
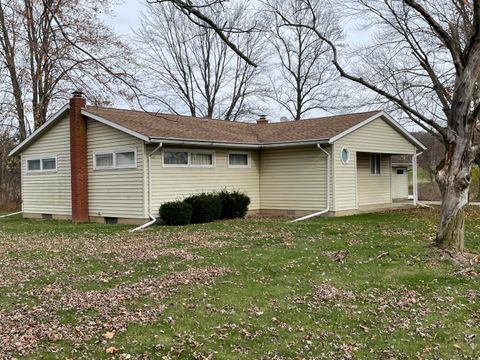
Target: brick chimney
(78, 158)
(262, 120)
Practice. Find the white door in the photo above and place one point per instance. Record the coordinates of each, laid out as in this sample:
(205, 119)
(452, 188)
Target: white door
(399, 183)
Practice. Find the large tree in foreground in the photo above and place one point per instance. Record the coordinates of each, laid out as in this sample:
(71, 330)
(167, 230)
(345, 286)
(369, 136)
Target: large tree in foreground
(431, 45)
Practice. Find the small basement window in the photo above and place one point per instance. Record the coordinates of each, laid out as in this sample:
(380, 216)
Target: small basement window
(123, 159)
(375, 164)
(188, 158)
(238, 159)
(45, 164)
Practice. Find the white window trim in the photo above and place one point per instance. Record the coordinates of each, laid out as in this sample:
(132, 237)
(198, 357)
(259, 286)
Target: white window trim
(41, 158)
(189, 160)
(249, 159)
(114, 154)
(380, 165)
(341, 159)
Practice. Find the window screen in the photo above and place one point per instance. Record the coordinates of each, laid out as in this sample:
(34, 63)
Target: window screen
(238, 159)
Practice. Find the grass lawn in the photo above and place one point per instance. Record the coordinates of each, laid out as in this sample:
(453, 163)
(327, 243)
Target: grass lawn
(365, 286)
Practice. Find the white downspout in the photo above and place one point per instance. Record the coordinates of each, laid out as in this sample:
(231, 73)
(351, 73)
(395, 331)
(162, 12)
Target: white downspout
(414, 178)
(149, 176)
(15, 213)
(328, 190)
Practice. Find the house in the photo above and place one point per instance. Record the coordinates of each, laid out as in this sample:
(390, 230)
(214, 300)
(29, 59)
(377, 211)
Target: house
(113, 165)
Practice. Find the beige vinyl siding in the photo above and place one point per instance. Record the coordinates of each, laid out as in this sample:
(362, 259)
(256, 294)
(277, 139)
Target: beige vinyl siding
(116, 192)
(49, 193)
(373, 189)
(293, 179)
(399, 184)
(375, 137)
(176, 183)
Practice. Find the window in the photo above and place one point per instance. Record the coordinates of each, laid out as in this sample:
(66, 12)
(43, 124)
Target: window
(45, 164)
(200, 159)
(104, 161)
(34, 165)
(375, 164)
(192, 158)
(344, 155)
(49, 164)
(122, 159)
(400, 171)
(125, 159)
(238, 159)
(175, 158)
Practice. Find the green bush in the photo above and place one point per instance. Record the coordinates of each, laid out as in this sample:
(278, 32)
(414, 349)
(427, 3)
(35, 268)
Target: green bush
(206, 207)
(176, 213)
(234, 204)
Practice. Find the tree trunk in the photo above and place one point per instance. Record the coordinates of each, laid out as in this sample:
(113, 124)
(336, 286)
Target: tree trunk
(454, 182)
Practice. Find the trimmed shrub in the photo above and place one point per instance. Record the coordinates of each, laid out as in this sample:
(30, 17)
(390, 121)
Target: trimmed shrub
(234, 204)
(206, 207)
(176, 213)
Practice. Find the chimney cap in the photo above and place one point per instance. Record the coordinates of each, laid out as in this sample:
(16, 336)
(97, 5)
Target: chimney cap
(262, 119)
(77, 93)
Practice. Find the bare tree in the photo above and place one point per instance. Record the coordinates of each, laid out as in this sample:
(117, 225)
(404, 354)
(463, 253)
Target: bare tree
(9, 173)
(43, 49)
(191, 70)
(305, 79)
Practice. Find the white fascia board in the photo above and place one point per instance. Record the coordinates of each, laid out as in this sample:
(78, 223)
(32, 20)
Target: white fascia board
(389, 120)
(115, 125)
(33, 136)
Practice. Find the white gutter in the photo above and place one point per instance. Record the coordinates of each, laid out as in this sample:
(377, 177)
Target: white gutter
(15, 213)
(172, 141)
(153, 218)
(328, 190)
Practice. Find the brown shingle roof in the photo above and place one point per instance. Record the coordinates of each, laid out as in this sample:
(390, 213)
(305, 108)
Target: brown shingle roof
(167, 126)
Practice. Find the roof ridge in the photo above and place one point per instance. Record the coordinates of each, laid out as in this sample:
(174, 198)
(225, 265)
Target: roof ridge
(153, 113)
(326, 117)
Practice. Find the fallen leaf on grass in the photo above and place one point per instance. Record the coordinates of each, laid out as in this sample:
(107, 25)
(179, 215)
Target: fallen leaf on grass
(108, 335)
(111, 350)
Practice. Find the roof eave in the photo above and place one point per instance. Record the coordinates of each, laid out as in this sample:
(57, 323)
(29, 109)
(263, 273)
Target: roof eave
(115, 125)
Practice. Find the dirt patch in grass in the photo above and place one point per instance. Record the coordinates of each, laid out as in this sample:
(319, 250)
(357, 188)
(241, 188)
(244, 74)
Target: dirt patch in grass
(23, 328)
